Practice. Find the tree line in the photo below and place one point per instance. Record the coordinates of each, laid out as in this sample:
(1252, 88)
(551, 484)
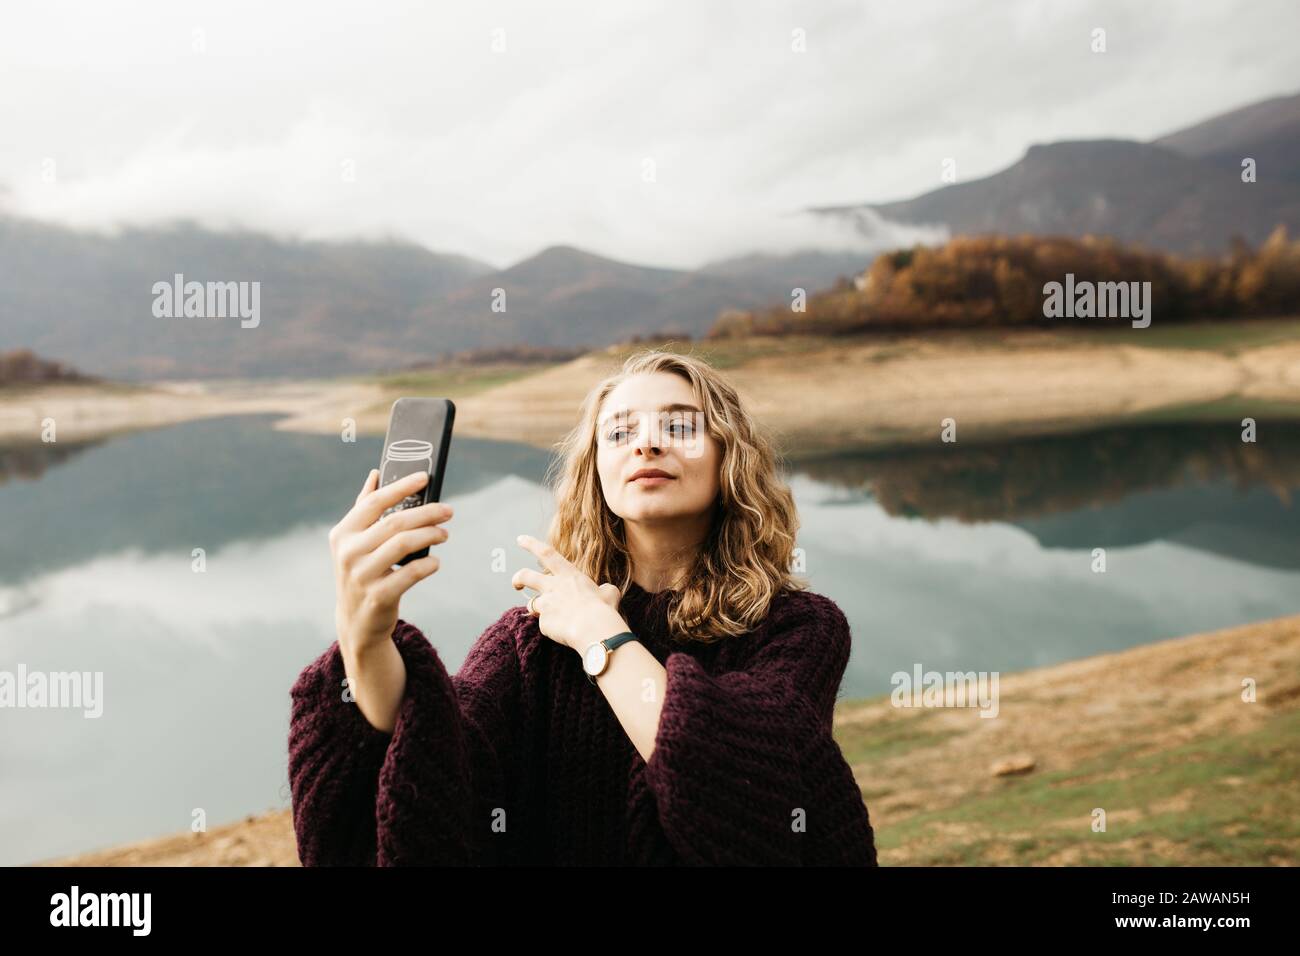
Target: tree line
(973, 281)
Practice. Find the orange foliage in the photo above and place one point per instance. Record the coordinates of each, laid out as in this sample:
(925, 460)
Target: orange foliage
(999, 281)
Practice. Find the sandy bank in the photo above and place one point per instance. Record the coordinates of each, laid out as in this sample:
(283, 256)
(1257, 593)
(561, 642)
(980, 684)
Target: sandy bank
(818, 396)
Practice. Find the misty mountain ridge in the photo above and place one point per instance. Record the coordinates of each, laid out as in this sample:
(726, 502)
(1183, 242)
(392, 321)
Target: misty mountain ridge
(347, 307)
(344, 307)
(1182, 192)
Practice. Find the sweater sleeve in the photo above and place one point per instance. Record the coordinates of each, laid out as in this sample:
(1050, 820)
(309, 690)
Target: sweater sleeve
(415, 796)
(334, 760)
(728, 767)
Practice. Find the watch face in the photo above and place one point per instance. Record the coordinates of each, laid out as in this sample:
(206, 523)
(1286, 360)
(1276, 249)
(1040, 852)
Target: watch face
(594, 658)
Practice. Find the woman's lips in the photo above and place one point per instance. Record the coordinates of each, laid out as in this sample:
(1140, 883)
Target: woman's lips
(651, 481)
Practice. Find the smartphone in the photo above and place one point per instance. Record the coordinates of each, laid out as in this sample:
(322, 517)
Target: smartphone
(419, 435)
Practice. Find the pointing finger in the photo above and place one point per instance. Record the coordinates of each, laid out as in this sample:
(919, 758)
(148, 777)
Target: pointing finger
(551, 559)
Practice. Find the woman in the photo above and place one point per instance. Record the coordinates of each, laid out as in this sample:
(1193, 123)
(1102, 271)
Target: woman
(700, 735)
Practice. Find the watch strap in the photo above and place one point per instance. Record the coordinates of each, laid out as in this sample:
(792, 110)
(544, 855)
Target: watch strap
(621, 638)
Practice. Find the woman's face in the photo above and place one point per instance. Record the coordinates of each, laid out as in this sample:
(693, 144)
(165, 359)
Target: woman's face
(638, 427)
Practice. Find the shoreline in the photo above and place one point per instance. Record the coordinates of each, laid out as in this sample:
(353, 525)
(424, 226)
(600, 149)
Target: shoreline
(816, 396)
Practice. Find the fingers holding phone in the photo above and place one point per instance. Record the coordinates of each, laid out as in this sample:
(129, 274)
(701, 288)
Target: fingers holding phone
(381, 546)
(369, 590)
(401, 533)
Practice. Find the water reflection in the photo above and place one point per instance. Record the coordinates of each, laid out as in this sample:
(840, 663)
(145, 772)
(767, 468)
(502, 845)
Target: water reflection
(1199, 485)
(200, 484)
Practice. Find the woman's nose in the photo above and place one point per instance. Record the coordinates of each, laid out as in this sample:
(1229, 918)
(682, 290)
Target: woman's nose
(649, 437)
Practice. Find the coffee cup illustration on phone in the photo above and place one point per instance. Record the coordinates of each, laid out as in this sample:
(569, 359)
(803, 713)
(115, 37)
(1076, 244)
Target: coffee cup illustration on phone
(418, 439)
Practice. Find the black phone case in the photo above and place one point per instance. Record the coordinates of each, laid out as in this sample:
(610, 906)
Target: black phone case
(419, 436)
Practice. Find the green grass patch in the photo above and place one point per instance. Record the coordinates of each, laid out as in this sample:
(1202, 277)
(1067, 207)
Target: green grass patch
(17, 391)
(1247, 822)
(1227, 337)
(1231, 409)
(732, 353)
(864, 743)
(451, 382)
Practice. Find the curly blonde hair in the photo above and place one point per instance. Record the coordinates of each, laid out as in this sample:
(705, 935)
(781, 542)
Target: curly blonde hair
(743, 563)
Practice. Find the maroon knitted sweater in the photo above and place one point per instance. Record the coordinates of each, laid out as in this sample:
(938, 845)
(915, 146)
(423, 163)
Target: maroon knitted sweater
(519, 759)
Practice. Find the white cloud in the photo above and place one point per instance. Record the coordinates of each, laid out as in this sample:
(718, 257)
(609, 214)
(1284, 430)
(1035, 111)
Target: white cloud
(500, 154)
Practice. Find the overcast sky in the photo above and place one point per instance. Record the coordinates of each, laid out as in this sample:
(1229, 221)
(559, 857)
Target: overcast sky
(376, 118)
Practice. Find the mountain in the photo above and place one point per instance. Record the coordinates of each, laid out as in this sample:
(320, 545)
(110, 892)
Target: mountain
(1268, 132)
(567, 297)
(330, 308)
(1182, 192)
(325, 307)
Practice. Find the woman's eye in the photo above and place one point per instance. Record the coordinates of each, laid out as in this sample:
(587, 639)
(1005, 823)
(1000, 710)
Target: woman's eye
(683, 428)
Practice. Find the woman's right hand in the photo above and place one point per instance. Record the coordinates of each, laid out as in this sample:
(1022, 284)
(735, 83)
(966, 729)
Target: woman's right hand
(365, 549)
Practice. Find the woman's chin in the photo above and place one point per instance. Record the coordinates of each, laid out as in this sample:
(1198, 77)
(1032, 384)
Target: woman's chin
(650, 512)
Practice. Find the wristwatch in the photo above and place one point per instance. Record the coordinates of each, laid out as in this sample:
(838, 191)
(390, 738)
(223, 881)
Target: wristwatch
(596, 657)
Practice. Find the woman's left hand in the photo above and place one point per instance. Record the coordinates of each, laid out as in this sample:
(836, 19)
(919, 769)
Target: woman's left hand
(572, 609)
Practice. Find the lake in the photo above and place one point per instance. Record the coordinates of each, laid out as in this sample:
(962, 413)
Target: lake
(956, 557)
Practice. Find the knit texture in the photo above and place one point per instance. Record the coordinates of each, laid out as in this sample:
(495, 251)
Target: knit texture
(519, 760)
